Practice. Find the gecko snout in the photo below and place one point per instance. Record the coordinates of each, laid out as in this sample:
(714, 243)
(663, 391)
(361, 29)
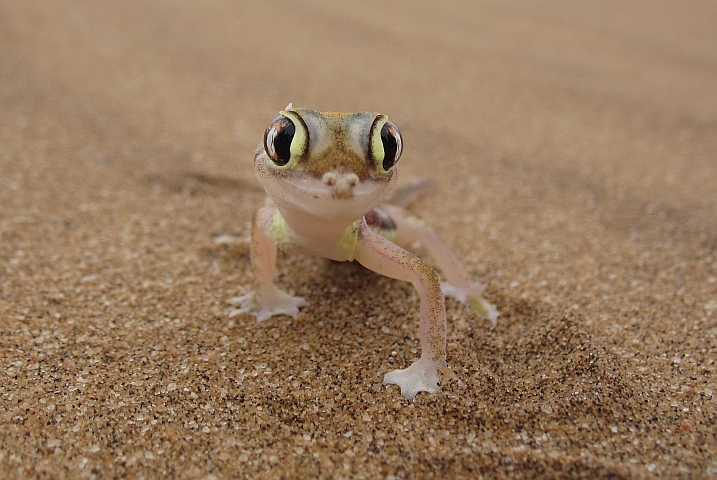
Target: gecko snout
(342, 183)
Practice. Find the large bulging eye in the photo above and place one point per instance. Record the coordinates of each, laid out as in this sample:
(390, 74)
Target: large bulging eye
(277, 140)
(392, 145)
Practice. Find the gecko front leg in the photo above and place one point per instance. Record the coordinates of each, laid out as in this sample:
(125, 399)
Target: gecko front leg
(266, 300)
(386, 258)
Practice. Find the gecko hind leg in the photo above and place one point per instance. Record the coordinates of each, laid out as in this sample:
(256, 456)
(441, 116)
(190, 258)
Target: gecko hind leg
(411, 229)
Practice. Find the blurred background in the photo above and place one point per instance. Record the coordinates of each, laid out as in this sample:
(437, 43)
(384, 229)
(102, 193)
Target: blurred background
(565, 84)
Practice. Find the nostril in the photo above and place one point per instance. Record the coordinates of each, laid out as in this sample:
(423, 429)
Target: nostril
(329, 178)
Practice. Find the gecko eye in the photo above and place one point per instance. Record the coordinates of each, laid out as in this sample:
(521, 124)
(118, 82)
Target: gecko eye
(277, 140)
(392, 145)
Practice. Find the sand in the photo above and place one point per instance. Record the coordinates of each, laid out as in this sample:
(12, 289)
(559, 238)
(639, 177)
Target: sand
(573, 152)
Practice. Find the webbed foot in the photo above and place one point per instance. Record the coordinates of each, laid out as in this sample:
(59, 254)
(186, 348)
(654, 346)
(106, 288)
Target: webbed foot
(471, 297)
(266, 303)
(422, 376)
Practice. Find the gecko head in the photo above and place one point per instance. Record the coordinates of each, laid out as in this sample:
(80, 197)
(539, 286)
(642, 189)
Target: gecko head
(336, 166)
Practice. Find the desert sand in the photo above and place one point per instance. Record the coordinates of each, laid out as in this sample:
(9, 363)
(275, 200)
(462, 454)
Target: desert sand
(573, 152)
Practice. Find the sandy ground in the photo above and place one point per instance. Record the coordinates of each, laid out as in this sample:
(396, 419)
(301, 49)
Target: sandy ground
(573, 148)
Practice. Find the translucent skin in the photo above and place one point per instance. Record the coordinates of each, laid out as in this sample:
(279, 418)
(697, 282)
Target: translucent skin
(318, 203)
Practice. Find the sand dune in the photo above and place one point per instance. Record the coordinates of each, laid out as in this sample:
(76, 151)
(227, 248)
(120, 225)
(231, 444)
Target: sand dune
(573, 152)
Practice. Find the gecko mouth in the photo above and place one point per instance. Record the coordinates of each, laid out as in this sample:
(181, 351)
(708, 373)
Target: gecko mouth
(334, 196)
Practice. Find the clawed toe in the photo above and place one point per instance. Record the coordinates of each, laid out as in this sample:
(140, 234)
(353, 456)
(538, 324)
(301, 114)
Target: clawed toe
(471, 297)
(422, 376)
(270, 303)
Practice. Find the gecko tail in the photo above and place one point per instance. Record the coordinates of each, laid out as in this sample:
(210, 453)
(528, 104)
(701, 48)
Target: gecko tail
(404, 195)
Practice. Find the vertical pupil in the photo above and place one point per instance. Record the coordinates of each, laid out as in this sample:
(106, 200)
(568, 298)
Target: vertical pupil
(277, 140)
(389, 138)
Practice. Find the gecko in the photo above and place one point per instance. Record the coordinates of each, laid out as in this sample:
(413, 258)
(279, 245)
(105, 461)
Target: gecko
(328, 177)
